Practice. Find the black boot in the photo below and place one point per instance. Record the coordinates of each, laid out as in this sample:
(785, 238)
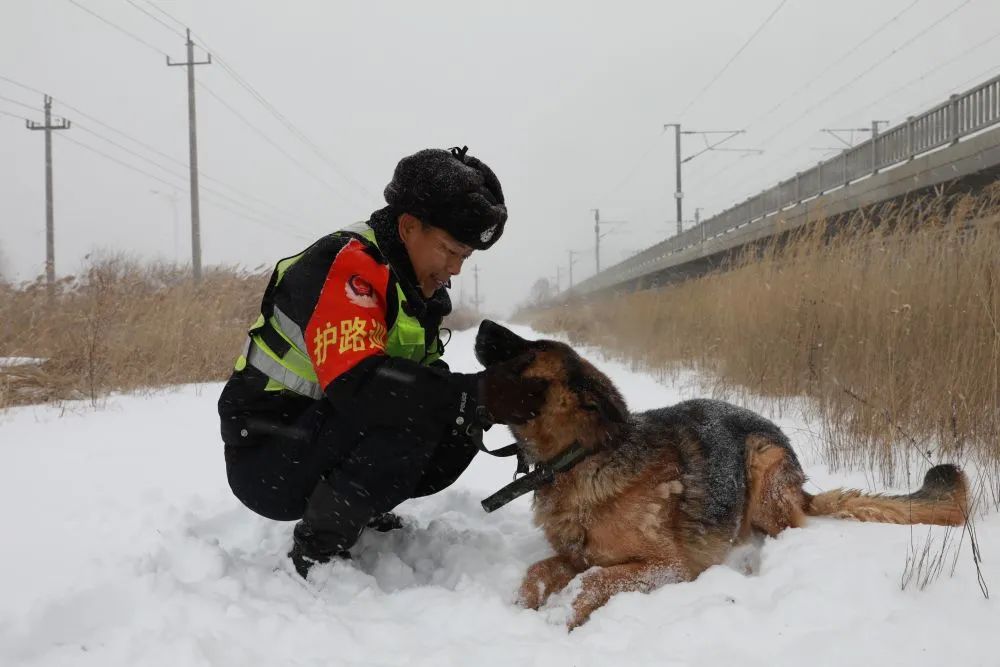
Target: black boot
(306, 551)
(385, 522)
(335, 515)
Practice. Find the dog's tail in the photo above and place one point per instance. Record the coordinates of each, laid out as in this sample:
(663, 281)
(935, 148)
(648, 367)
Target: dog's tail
(942, 500)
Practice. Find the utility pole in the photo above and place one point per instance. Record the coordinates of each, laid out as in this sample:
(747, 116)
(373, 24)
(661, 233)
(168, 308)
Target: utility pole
(475, 272)
(193, 148)
(558, 278)
(572, 261)
(50, 230)
(173, 197)
(597, 240)
(679, 192)
(598, 235)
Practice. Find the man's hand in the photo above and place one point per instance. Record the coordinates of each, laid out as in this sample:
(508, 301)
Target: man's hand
(507, 396)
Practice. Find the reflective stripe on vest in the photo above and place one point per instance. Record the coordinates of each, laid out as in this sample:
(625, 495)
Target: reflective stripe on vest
(291, 330)
(294, 371)
(274, 369)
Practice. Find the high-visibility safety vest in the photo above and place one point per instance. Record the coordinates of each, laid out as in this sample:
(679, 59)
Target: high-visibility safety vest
(276, 345)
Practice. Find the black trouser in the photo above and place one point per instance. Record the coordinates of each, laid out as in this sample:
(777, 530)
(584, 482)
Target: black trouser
(274, 470)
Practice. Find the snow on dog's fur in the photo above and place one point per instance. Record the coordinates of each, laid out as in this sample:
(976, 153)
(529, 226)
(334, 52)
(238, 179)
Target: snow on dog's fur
(667, 493)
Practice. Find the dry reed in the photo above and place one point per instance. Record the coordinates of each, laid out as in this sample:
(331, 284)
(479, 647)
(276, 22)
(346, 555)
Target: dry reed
(122, 326)
(125, 326)
(891, 322)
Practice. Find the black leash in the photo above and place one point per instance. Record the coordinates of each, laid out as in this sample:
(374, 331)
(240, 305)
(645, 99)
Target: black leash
(544, 473)
(509, 450)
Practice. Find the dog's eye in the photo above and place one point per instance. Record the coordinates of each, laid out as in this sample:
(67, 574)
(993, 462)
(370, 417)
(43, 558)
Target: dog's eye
(590, 407)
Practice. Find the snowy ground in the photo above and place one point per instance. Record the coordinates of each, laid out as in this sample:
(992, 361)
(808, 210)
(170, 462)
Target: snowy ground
(124, 547)
(10, 362)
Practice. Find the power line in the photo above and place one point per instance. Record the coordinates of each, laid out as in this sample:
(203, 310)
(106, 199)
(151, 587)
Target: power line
(635, 166)
(228, 69)
(264, 102)
(20, 104)
(180, 162)
(12, 115)
(182, 176)
(864, 73)
(154, 150)
(162, 11)
(291, 128)
(21, 85)
(155, 18)
(923, 106)
(923, 76)
(813, 78)
(733, 59)
(116, 27)
(145, 173)
(991, 72)
(874, 65)
(273, 143)
(144, 43)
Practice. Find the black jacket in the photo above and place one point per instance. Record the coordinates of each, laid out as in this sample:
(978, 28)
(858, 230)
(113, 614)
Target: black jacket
(376, 392)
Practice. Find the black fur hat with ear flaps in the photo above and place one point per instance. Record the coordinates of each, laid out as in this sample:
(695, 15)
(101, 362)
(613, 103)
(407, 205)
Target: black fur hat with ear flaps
(451, 190)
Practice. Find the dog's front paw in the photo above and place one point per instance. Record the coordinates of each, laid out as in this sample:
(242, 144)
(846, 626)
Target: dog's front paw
(532, 593)
(543, 579)
(583, 607)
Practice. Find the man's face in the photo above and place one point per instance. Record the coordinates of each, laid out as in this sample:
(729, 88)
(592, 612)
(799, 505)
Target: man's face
(436, 256)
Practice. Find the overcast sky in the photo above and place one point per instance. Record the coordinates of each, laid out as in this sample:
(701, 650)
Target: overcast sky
(566, 101)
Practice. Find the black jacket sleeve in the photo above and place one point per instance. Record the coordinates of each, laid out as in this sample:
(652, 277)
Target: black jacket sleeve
(389, 392)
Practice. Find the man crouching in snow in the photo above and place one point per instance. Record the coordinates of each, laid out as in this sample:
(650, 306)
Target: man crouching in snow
(340, 407)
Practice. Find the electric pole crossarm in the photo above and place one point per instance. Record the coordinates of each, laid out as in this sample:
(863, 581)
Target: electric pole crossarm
(679, 192)
(476, 303)
(712, 147)
(748, 151)
(185, 64)
(834, 132)
(63, 125)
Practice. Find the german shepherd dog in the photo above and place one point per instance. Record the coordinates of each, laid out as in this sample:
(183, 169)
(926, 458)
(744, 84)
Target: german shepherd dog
(665, 494)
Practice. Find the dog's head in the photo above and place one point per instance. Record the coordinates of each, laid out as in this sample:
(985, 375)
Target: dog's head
(581, 404)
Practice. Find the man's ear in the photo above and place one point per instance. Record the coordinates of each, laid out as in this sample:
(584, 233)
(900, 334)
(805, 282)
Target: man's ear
(408, 225)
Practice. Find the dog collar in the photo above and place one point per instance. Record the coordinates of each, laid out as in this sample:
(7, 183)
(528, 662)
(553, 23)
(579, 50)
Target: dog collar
(543, 474)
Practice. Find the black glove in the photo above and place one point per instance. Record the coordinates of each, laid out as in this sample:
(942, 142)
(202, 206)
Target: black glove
(506, 396)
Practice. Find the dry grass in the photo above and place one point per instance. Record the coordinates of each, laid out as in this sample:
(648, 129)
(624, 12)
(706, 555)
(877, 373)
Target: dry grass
(124, 326)
(891, 323)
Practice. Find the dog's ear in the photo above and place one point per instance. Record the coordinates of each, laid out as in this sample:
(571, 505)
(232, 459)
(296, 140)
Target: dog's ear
(495, 344)
(610, 407)
(600, 397)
